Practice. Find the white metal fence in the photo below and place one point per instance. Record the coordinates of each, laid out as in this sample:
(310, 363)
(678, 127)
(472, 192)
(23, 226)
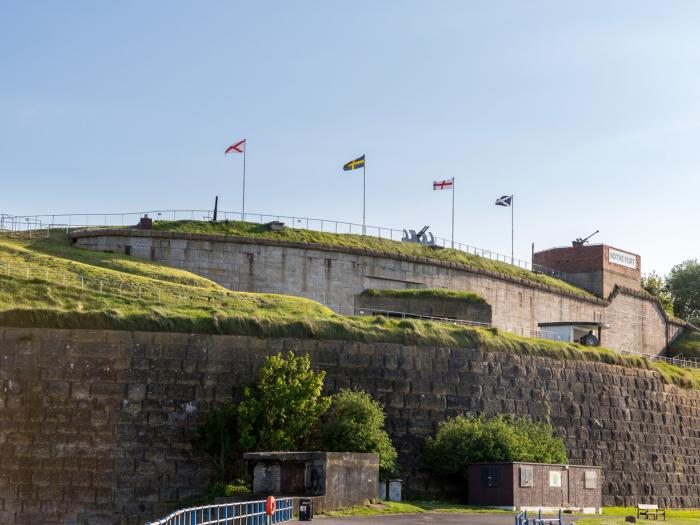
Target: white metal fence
(29, 223)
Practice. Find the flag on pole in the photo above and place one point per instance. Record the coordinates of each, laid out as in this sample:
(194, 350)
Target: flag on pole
(238, 147)
(443, 184)
(358, 163)
(505, 200)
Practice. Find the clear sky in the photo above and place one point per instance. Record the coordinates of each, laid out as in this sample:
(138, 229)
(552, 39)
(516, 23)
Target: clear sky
(588, 112)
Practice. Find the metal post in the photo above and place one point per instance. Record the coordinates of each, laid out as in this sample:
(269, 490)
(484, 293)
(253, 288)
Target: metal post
(512, 228)
(364, 185)
(453, 213)
(245, 147)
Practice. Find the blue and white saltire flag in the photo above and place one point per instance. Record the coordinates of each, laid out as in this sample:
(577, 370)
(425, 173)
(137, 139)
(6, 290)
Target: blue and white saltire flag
(506, 201)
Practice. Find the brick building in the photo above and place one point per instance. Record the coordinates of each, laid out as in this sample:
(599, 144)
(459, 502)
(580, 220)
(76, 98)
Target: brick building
(595, 267)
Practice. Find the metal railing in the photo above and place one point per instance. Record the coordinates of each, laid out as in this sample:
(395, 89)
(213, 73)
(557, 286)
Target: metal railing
(17, 223)
(679, 361)
(241, 513)
(519, 330)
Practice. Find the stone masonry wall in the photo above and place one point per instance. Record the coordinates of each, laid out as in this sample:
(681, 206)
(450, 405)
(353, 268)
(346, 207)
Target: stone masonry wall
(96, 426)
(334, 276)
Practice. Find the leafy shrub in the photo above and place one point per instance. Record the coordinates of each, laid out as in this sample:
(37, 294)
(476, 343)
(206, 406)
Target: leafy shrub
(237, 487)
(461, 440)
(280, 410)
(355, 423)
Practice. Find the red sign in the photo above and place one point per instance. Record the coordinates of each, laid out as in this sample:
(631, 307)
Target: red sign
(270, 505)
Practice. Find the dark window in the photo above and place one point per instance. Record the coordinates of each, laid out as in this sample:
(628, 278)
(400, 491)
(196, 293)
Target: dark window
(490, 477)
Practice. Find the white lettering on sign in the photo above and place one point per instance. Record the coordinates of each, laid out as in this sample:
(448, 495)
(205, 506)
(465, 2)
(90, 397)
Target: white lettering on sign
(622, 258)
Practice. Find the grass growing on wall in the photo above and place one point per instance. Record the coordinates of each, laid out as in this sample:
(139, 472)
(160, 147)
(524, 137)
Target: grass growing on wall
(156, 297)
(249, 229)
(428, 293)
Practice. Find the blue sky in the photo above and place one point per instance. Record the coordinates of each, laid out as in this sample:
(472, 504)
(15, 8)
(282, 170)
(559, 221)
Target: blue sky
(587, 111)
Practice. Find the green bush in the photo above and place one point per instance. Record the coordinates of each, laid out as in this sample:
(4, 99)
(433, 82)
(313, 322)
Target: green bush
(461, 440)
(280, 410)
(355, 423)
(237, 487)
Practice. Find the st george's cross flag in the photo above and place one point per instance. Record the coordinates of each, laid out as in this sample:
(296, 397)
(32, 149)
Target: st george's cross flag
(505, 200)
(443, 184)
(238, 147)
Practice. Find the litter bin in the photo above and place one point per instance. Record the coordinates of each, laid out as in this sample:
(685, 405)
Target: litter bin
(306, 509)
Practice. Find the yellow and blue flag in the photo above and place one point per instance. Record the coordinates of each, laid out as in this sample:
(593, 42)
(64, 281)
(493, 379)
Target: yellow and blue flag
(359, 162)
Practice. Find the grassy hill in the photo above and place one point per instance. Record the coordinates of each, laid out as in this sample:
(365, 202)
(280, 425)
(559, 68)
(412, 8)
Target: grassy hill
(249, 229)
(50, 283)
(687, 345)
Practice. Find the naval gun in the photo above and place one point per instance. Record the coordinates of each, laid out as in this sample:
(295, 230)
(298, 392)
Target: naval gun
(580, 242)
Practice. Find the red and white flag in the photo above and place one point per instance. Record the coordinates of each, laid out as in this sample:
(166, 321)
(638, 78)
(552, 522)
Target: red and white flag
(443, 184)
(238, 147)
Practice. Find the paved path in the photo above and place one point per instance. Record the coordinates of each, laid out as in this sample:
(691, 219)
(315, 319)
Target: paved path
(427, 518)
(432, 518)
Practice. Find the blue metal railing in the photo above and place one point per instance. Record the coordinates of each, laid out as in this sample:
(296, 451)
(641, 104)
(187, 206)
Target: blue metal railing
(522, 519)
(240, 513)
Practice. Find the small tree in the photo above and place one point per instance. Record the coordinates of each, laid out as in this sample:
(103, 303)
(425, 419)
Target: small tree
(355, 423)
(279, 411)
(684, 284)
(217, 436)
(460, 441)
(654, 284)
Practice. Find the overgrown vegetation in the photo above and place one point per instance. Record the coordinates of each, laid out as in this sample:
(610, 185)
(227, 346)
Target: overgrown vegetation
(48, 282)
(178, 301)
(428, 293)
(280, 410)
(355, 423)
(365, 242)
(461, 440)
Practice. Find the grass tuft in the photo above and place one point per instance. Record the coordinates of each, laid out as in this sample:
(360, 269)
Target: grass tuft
(428, 293)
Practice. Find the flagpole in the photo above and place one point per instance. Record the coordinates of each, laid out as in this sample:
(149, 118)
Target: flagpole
(453, 212)
(364, 185)
(245, 147)
(512, 229)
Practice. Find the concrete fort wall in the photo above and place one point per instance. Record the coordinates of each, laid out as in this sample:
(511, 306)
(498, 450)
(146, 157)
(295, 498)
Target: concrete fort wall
(335, 276)
(96, 426)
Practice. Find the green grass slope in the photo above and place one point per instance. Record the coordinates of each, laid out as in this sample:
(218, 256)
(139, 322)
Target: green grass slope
(248, 229)
(49, 283)
(427, 293)
(687, 345)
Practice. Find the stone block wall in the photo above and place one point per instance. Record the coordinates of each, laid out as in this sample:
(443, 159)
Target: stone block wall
(96, 426)
(335, 276)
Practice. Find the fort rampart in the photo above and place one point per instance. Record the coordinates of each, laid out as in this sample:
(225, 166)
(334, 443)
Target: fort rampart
(335, 276)
(96, 426)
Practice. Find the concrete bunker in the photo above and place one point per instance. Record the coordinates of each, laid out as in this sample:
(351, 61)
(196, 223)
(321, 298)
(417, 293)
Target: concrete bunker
(332, 479)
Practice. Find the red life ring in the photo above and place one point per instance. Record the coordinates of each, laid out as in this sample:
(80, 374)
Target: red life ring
(270, 505)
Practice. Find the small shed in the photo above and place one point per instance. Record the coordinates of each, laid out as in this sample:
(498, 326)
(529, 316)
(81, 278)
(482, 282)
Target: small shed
(332, 479)
(532, 486)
